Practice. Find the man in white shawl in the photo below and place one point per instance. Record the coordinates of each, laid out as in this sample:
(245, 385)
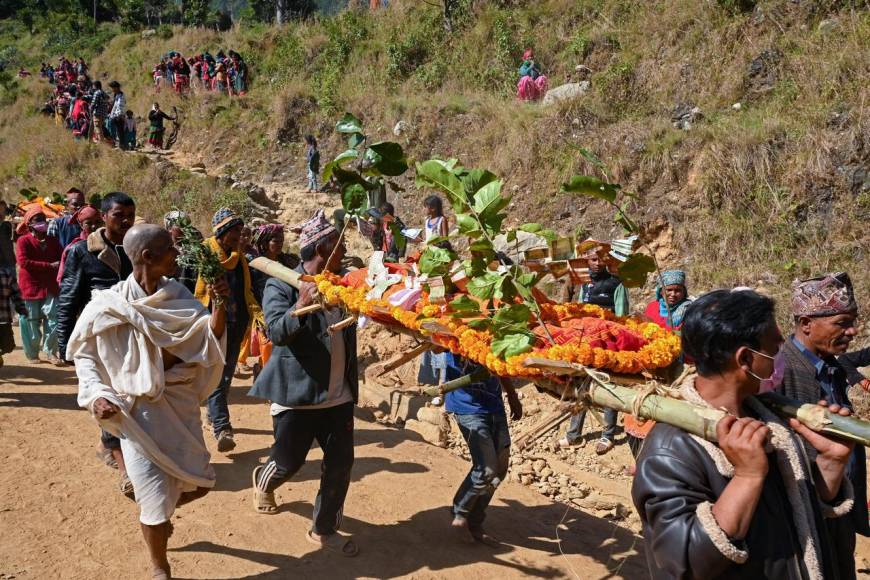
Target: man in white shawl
(147, 353)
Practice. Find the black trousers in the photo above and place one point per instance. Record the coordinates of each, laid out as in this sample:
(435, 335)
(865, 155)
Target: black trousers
(295, 431)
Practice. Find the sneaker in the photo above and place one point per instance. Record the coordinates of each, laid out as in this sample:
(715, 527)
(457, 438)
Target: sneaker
(225, 441)
(604, 445)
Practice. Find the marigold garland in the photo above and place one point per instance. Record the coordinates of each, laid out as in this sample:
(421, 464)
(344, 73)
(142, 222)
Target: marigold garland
(661, 349)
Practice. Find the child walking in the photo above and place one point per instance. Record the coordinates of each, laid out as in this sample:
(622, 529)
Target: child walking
(312, 154)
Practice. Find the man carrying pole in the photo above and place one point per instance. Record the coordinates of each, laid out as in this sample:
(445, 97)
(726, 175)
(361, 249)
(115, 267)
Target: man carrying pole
(311, 381)
(759, 504)
(146, 354)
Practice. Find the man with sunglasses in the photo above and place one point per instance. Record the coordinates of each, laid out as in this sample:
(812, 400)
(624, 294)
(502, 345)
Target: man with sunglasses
(815, 365)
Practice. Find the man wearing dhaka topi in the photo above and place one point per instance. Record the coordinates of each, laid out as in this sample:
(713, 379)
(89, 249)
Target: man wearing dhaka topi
(147, 353)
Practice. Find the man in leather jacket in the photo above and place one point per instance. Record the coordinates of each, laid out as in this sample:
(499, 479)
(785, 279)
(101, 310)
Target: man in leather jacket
(761, 502)
(97, 263)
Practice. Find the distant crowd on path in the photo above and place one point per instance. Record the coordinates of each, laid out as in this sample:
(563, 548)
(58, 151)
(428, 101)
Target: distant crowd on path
(222, 73)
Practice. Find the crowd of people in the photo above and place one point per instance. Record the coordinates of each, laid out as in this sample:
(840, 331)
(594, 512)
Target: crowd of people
(222, 73)
(90, 112)
(151, 340)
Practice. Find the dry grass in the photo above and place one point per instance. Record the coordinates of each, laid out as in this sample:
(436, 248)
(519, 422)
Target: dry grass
(756, 196)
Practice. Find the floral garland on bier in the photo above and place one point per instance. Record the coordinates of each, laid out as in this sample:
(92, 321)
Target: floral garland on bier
(591, 338)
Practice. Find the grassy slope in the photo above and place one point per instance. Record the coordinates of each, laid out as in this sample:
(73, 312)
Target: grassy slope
(763, 194)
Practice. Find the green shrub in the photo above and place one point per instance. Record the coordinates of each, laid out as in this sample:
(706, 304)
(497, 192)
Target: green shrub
(164, 31)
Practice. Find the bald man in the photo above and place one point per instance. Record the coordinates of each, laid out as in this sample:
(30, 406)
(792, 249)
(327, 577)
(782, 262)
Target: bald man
(147, 353)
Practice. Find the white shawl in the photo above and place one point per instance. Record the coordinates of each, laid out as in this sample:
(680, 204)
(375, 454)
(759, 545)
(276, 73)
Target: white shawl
(117, 347)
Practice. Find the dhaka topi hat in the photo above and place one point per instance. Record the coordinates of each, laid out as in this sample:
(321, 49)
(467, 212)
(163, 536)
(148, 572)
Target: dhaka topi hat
(827, 295)
(315, 229)
(224, 220)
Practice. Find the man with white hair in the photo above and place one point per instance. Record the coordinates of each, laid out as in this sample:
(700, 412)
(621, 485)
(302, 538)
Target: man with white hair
(147, 353)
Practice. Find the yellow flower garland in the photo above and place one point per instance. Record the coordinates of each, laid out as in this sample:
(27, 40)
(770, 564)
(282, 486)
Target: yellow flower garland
(661, 350)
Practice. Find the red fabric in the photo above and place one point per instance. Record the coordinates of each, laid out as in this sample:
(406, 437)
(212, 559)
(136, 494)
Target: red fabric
(37, 277)
(31, 212)
(652, 312)
(83, 236)
(532, 90)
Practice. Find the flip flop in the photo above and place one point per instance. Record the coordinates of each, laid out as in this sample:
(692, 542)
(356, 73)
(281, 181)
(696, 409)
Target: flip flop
(264, 501)
(335, 543)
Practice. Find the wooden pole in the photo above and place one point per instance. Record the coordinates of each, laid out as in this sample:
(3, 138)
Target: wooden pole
(277, 270)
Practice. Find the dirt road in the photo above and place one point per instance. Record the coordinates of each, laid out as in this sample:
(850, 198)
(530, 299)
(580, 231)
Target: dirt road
(62, 517)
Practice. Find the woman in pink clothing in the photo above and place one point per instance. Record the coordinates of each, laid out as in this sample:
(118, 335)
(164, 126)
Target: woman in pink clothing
(532, 85)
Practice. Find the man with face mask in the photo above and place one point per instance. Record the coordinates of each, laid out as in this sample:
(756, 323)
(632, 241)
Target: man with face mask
(825, 313)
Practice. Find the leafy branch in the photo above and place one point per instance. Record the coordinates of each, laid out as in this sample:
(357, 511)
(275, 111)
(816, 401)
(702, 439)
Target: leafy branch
(476, 198)
(634, 271)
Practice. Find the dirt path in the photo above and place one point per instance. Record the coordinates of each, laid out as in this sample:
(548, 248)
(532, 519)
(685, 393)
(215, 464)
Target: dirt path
(62, 517)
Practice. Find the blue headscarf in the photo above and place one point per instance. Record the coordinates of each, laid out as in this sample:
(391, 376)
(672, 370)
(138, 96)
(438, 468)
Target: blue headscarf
(668, 278)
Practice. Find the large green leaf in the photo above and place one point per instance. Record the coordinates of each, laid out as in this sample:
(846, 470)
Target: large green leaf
(349, 124)
(398, 236)
(635, 269)
(346, 156)
(354, 199)
(387, 158)
(465, 305)
(486, 285)
(467, 225)
(488, 198)
(436, 261)
(591, 186)
(474, 179)
(482, 245)
(513, 314)
(355, 140)
(512, 344)
(435, 174)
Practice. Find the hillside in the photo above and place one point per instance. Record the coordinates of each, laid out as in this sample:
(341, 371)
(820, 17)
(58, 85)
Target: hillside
(755, 194)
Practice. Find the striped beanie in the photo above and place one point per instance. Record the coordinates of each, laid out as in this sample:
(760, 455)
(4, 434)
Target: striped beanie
(224, 220)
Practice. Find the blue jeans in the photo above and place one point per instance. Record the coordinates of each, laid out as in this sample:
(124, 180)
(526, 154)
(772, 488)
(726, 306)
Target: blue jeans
(489, 443)
(575, 430)
(218, 407)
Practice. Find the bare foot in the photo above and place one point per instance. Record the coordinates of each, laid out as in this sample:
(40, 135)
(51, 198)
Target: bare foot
(459, 525)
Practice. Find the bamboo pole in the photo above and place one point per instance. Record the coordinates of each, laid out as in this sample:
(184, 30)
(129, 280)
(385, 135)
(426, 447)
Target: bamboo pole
(818, 418)
(277, 270)
(398, 361)
(307, 310)
(461, 382)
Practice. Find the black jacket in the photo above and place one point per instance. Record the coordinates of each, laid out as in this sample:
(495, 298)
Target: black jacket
(297, 373)
(679, 477)
(91, 264)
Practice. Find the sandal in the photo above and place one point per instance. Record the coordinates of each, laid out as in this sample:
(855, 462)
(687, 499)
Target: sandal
(264, 501)
(604, 445)
(563, 443)
(335, 543)
(126, 487)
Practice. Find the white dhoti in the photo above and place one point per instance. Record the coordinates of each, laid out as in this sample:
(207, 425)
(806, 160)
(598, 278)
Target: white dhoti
(118, 346)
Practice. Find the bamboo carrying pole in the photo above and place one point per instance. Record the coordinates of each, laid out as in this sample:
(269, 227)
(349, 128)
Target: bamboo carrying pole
(283, 273)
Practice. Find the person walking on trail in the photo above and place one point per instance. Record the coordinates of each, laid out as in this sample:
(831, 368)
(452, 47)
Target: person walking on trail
(156, 129)
(241, 309)
(479, 413)
(312, 156)
(100, 109)
(38, 256)
(62, 227)
(607, 291)
(90, 221)
(814, 364)
(312, 383)
(129, 131)
(117, 114)
(147, 353)
(759, 503)
(10, 294)
(97, 263)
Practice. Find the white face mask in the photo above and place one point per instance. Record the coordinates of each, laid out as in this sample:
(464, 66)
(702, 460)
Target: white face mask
(775, 379)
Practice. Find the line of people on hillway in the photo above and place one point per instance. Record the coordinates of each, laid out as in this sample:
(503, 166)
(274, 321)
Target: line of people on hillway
(223, 73)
